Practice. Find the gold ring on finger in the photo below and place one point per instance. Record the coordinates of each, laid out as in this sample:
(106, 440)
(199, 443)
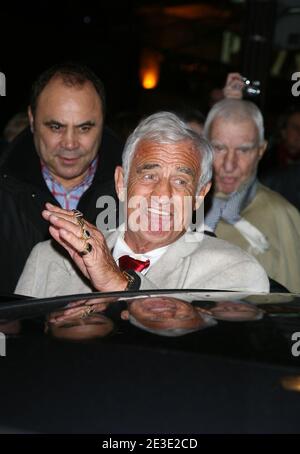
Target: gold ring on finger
(79, 217)
(85, 235)
(87, 248)
(77, 214)
(87, 312)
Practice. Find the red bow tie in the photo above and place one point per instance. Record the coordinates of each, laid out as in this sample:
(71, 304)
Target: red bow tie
(128, 263)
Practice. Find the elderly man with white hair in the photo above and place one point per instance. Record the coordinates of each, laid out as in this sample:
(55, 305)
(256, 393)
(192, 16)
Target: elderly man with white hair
(243, 211)
(167, 316)
(165, 165)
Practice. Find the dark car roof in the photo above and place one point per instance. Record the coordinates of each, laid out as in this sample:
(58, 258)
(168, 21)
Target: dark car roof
(231, 377)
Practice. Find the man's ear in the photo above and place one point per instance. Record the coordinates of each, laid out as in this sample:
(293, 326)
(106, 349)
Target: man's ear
(124, 315)
(262, 149)
(30, 117)
(119, 183)
(202, 193)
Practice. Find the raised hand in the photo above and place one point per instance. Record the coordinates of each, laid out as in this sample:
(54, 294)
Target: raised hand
(234, 86)
(87, 248)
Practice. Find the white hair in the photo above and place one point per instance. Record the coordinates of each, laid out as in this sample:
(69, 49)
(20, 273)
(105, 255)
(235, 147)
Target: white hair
(168, 128)
(236, 110)
(208, 321)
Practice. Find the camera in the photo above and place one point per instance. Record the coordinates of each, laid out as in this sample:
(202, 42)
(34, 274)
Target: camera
(252, 88)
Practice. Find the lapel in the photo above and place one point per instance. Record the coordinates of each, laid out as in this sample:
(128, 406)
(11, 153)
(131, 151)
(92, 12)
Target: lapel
(64, 266)
(68, 278)
(172, 268)
(111, 236)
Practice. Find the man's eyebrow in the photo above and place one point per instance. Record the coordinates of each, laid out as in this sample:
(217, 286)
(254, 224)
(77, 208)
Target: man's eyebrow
(53, 122)
(148, 166)
(80, 125)
(86, 123)
(247, 145)
(98, 322)
(72, 325)
(242, 145)
(186, 170)
(216, 141)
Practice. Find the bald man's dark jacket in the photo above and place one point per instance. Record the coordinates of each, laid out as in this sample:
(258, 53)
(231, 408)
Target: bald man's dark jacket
(23, 194)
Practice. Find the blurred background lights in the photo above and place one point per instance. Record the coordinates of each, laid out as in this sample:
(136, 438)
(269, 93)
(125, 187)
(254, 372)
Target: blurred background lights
(150, 68)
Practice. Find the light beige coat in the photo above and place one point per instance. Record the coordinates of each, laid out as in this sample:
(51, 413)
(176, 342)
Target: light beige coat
(187, 264)
(279, 221)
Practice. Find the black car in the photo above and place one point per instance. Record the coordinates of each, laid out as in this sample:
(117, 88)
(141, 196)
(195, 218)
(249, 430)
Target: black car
(149, 362)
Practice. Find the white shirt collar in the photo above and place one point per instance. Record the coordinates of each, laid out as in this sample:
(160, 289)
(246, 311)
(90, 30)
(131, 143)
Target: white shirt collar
(121, 248)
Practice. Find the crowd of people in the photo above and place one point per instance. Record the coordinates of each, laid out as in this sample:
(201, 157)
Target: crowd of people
(56, 172)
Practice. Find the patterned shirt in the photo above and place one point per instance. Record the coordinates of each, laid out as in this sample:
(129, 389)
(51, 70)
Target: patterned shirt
(69, 198)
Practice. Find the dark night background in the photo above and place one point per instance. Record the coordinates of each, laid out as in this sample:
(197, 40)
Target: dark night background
(230, 382)
(188, 38)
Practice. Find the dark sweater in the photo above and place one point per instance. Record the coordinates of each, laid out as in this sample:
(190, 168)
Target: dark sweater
(23, 194)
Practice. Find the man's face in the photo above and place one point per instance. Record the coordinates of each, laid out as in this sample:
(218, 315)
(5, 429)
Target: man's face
(67, 129)
(164, 313)
(239, 311)
(161, 188)
(236, 153)
(291, 134)
(96, 325)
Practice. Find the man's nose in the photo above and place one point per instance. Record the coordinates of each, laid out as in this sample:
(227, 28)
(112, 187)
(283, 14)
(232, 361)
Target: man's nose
(69, 140)
(163, 190)
(230, 161)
